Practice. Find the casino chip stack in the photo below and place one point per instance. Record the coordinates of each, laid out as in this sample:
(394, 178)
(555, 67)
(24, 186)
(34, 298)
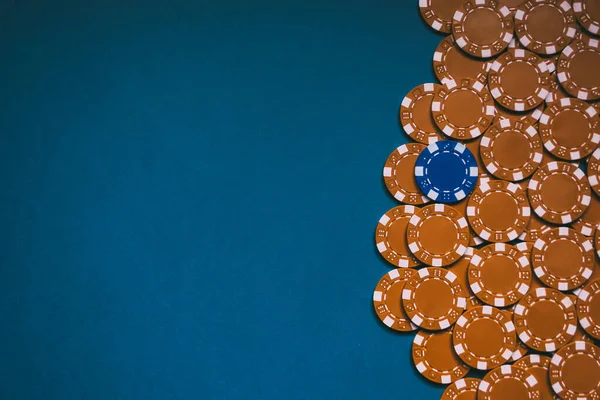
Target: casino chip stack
(494, 245)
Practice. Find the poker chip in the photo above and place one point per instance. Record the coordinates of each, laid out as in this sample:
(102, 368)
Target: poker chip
(588, 223)
(461, 207)
(390, 237)
(593, 171)
(531, 116)
(451, 63)
(545, 319)
(438, 14)
(463, 110)
(462, 389)
(487, 37)
(433, 283)
(474, 146)
(415, 114)
(437, 235)
(578, 67)
(570, 129)
(588, 308)
(586, 12)
(499, 275)
(494, 226)
(434, 358)
(508, 382)
(519, 80)
(575, 371)
(446, 171)
(511, 150)
(484, 337)
(387, 300)
(559, 192)
(545, 26)
(460, 269)
(398, 174)
(538, 365)
(563, 259)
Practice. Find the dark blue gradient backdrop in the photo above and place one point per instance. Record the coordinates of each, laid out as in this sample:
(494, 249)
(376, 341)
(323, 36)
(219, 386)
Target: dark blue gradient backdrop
(189, 192)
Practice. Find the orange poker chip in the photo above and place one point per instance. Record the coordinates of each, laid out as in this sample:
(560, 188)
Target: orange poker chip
(462, 389)
(387, 300)
(586, 12)
(563, 259)
(545, 26)
(390, 237)
(490, 36)
(434, 358)
(556, 91)
(463, 110)
(559, 192)
(578, 67)
(511, 150)
(588, 223)
(460, 269)
(438, 235)
(545, 319)
(538, 366)
(399, 177)
(484, 337)
(588, 308)
(451, 63)
(593, 171)
(508, 382)
(519, 80)
(499, 275)
(438, 14)
(575, 371)
(433, 283)
(570, 129)
(415, 114)
(494, 226)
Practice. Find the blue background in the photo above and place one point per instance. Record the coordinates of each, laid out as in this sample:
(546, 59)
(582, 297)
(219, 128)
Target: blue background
(189, 196)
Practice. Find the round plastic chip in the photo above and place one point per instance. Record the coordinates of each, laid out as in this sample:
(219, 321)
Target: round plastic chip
(578, 67)
(563, 259)
(390, 237)
(446, 171)
(588, 15)
(484, 337)
(438, 14)
(511, 150)
(545, 26)
(433, 283)
(588, 308)
(494, 226)
(434, 358)
(415, 114)
(570, 129)
(519, 80)
(487, 37)
(499, 274)
(538, 365)
(463, 110)
(575, 371)
(451, 63)
(510, 383)
(559, 192)
(387, 300)
(398, 174)
(545, 319)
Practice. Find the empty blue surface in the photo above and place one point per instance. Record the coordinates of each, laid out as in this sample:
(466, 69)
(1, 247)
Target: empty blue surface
(189, 196)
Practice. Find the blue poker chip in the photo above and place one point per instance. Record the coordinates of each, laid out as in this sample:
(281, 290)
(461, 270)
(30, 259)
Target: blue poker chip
(446, 171)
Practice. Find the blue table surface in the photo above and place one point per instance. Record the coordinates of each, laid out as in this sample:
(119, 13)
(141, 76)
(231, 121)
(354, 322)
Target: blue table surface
(189, 192)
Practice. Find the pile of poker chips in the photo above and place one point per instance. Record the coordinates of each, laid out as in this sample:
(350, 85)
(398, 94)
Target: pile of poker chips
(495, 243)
